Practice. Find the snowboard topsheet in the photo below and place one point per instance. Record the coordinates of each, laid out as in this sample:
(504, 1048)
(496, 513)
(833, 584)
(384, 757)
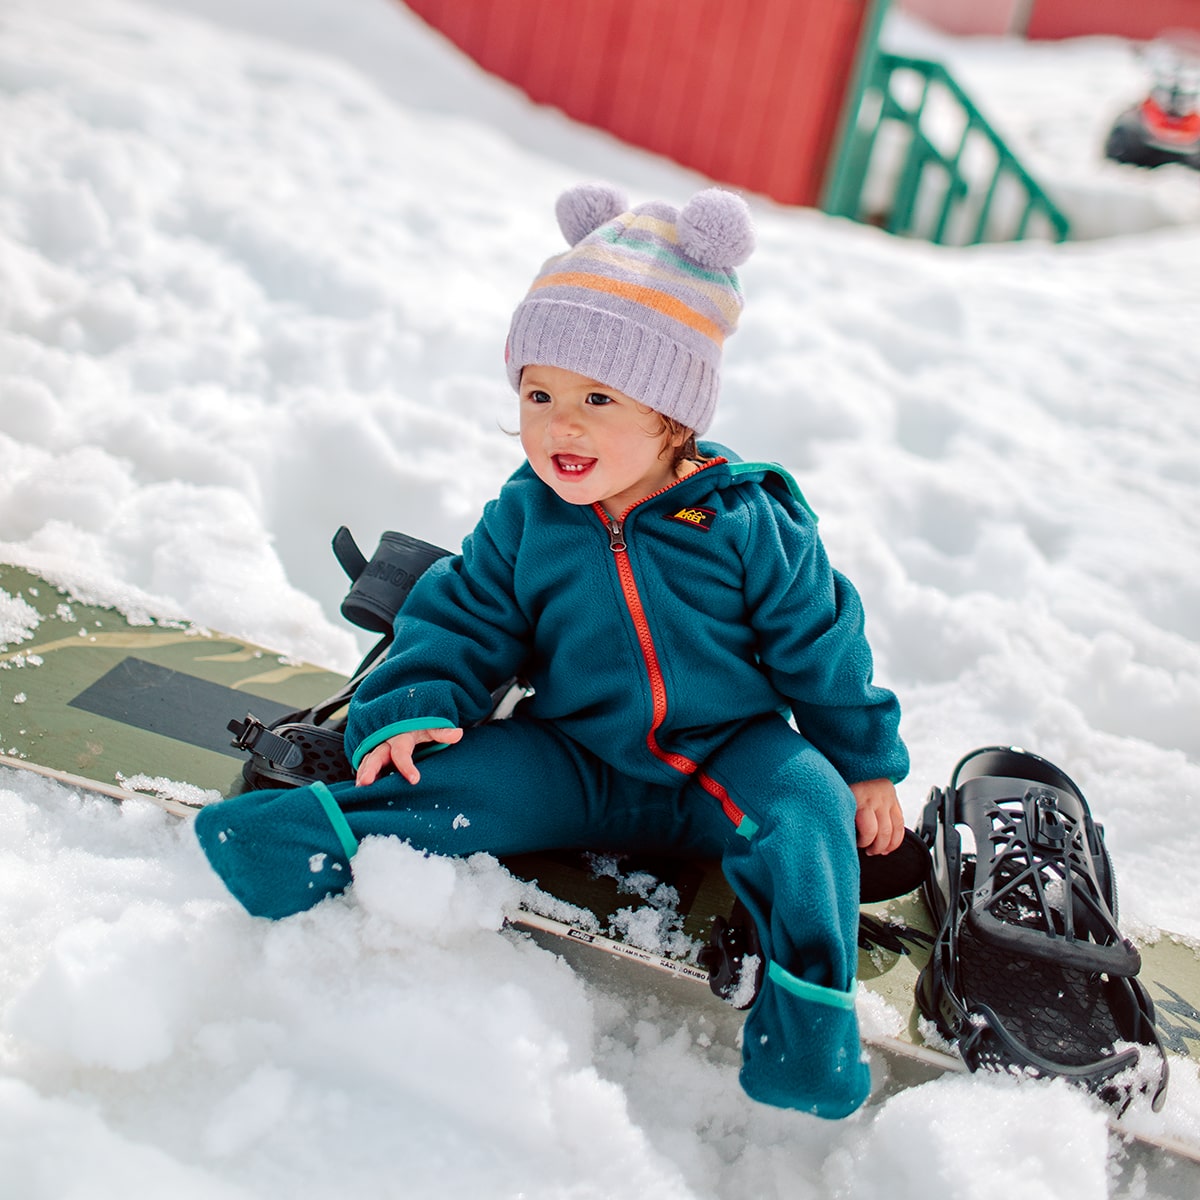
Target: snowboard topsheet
(93, 696)
(92, 699)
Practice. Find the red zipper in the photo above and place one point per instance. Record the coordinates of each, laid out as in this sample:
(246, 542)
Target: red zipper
(633, 601)
(713, 788)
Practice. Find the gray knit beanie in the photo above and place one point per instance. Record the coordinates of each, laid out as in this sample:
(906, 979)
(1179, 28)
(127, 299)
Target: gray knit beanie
(642, 302)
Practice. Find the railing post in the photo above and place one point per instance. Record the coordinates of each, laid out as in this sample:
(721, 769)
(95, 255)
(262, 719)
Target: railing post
(876, 104)
(844, 182)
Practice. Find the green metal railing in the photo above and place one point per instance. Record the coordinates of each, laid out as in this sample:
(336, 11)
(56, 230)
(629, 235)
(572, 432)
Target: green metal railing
(899, 169)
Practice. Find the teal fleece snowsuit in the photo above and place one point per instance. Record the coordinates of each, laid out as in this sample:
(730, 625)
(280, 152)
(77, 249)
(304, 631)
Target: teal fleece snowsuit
(664, 648)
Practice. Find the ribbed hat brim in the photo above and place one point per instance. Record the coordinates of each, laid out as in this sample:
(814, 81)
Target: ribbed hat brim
(630, 357)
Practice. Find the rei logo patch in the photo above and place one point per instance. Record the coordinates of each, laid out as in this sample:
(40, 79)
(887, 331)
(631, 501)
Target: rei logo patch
(698, 517)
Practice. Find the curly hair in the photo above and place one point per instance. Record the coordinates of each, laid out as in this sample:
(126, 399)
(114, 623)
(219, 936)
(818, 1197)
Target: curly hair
(680, 440)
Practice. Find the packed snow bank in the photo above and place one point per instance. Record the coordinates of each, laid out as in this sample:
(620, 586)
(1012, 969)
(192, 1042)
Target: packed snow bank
(250, 292)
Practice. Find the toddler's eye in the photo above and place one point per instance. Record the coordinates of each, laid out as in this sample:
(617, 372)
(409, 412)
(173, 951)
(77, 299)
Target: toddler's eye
(599, 399)
(538, 397)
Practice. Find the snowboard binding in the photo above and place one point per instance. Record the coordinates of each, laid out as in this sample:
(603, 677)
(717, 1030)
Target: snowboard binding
(733, 958)
(307, 746)
(1029, 971)
(291, 754)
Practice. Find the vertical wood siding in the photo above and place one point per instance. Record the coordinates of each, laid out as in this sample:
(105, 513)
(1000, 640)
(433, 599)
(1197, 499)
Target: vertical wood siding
(748, 92)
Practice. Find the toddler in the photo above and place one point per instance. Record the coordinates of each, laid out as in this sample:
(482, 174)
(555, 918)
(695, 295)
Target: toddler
(672, 606)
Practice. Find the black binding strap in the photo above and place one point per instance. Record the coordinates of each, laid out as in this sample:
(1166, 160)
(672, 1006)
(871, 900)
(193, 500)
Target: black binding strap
(252, 735)
(350, 558)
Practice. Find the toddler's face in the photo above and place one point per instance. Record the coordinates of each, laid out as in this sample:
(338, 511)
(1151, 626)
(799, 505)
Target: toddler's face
(589, 442)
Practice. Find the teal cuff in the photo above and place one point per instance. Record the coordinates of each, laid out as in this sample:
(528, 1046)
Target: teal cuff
(389, 731)
(337, 818)
(812, 991)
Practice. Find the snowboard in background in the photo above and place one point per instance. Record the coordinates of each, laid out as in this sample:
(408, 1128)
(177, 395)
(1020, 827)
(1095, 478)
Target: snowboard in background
(141, 710)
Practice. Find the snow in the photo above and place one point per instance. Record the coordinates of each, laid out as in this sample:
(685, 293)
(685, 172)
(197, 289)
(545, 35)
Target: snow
(18, 620)
(256, 266)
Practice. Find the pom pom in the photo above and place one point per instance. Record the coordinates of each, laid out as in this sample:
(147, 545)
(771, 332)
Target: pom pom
(715, 229)
(583, 209)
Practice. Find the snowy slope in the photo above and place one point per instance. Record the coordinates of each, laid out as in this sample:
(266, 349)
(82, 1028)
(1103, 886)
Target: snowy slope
(256, 267)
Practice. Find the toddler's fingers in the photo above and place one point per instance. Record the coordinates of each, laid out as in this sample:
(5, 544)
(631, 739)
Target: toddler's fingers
(890, 832)
(402, 760)
(369, 768)
(868, 827)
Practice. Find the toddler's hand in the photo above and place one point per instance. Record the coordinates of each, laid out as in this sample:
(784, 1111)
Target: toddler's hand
(879, 820)
(398, 752)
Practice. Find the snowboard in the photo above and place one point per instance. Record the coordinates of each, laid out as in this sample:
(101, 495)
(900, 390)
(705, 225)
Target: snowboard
(140, 710)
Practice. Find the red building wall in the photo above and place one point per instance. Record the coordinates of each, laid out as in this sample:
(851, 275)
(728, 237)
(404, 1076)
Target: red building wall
(748, 92)
(990, 17)
(1139, 19)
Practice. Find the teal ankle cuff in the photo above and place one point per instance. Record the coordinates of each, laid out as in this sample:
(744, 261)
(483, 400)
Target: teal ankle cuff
(811, 991)
(337, 818)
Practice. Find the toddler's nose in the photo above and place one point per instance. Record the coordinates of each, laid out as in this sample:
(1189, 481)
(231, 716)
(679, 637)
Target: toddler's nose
(564, 424)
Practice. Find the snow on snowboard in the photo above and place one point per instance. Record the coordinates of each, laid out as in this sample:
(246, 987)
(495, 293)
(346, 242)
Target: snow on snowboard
(129, 709)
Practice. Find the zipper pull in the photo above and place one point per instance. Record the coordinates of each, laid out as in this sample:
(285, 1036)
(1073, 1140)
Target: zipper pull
(616, 535)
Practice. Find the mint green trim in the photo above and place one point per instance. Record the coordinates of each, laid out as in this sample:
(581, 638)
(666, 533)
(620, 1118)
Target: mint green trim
(812, 991)
(785, 477)
(746, 827)
(389, 731)
(667, 256)
(337, 818)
